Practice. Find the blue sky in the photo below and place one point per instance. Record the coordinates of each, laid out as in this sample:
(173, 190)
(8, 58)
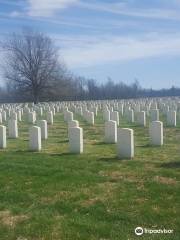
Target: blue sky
(123, 39)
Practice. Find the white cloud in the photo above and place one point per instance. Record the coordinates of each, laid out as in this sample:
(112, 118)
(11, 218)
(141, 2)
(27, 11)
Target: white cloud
(48, 7)
(15, 14)
(126, 10)
(92, 52)
(169, 10)
(1, 73)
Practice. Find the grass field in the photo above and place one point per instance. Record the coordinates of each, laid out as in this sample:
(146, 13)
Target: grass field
(54, 195)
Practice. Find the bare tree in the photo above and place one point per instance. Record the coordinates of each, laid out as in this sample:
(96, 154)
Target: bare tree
(31, 63)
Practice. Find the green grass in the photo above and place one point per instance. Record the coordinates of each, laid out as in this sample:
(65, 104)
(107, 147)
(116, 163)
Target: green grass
(61, 196)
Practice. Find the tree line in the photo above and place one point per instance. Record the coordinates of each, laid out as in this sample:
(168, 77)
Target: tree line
(33, 71)
(79, 88)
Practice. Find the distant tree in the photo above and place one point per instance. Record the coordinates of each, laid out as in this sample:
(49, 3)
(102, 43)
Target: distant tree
(136, 88)
(80, 87)
(93, 89)
(31, 63)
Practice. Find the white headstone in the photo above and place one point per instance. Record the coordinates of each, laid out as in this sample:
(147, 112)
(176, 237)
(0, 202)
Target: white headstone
(130, 115)
(44, 130)
(50, 117)
(171, 118)
(53, 111)
(31, 117)
(106, 115)
(19, 114)
(156, 133)
(76, 140)
(69, 116)
(90, 118)
(73, 123)
(13, 115)
(125, 143)
(1, 120)
(115, 117)
(40, 111)
(154, 115)
(111, 132)
(141, 118)
(2, 137)
(12, 128)
(35, 138)
(121, 108)
(4, 116)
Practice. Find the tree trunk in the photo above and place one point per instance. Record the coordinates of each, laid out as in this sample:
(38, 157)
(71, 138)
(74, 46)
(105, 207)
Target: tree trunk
(36, 98)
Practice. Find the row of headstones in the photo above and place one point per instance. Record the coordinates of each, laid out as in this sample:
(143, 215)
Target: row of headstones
(86, 114)
(136, 104)
(32, 116)
(124, 137)
(37, 133)
(69, 117)
(123, 106)
(126, 108)
(129, 114)
(114, 115)
(140, 116)
(13, 132)
(89, 116)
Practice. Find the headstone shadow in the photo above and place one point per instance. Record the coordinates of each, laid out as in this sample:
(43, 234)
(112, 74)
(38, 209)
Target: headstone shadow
(111, 159)
(175, 164)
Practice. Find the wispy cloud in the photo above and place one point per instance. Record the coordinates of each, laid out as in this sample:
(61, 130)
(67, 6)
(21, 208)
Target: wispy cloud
(126, 10)
(98, 24)
(15, 14)
(13, 3)
(169, 10)
(47, 7)
(91, 52)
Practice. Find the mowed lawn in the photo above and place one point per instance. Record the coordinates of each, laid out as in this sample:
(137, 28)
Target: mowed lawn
(54, 195)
